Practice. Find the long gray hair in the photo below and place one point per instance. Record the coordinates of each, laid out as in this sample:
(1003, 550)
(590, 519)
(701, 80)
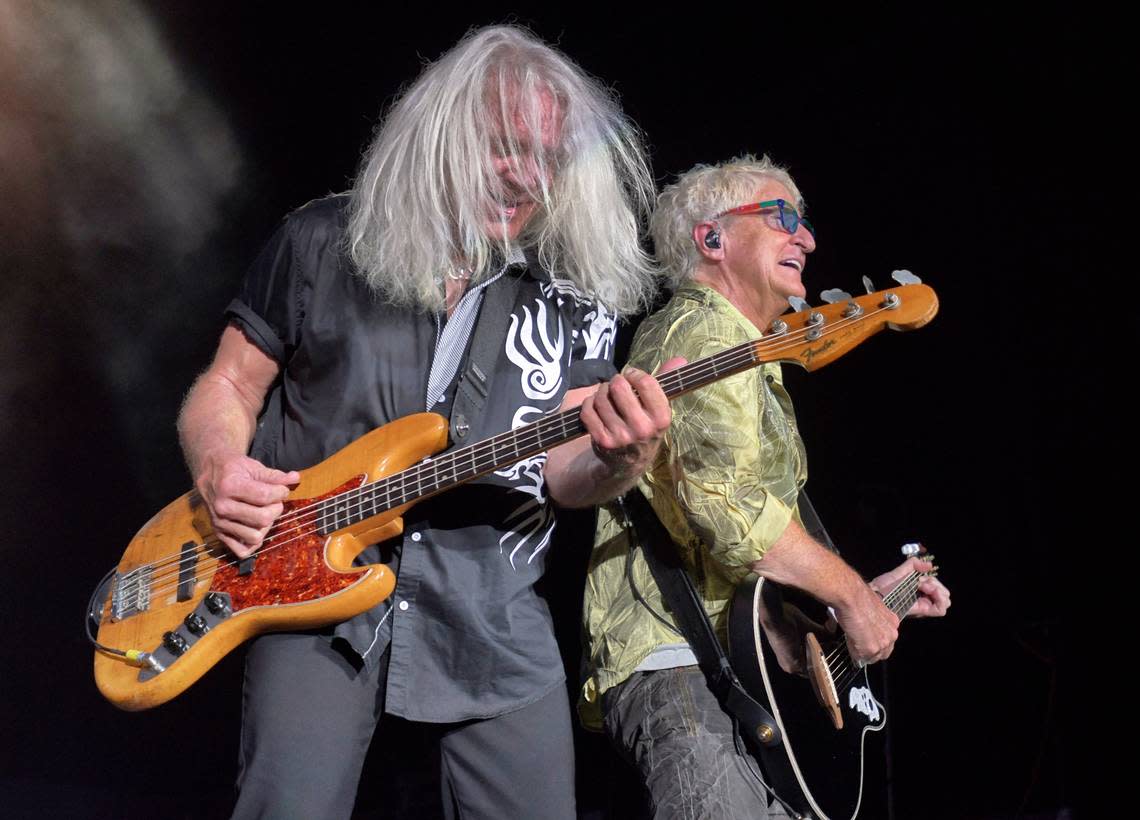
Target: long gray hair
(427, 183)
(699, 194)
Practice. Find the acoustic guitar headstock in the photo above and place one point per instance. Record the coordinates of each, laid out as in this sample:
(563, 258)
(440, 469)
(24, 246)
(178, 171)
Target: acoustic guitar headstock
(918, 550)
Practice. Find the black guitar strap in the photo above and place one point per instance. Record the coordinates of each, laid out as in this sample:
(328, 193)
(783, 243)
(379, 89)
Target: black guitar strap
(812, 524)
(486, 348)
(681, 596)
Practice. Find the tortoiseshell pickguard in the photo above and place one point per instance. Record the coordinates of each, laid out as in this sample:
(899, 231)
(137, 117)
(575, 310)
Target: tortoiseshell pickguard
(292, 573)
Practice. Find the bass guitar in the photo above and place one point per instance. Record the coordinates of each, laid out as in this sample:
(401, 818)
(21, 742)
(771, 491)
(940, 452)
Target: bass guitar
(790, 656)
(178, 601)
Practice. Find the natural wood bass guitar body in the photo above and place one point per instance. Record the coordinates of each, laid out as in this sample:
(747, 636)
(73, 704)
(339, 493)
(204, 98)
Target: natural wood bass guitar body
(301, 579)
(178, 600)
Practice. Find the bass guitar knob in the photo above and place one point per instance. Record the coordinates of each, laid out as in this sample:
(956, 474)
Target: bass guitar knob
(196, 624)
(217, 604)
(175, 644)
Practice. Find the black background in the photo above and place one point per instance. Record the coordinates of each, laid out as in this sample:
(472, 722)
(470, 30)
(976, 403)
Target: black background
(964, 146)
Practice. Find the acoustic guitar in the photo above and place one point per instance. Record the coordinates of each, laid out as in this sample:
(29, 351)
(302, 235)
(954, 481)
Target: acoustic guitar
(790, 656)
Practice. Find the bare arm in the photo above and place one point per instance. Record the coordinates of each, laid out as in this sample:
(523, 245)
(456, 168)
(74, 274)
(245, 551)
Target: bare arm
(626, 419)
(797, 560)
(216, 426)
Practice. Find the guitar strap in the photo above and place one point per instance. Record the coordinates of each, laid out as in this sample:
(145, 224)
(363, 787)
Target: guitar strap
(811, 522)
(486, 348)
(679, 593)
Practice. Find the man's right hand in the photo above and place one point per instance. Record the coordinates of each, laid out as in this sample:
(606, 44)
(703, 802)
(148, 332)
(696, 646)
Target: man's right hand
(244, 498)
(871, 628)
(797, 560)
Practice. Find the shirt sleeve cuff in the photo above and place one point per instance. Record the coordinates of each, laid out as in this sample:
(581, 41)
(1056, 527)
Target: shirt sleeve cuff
(256, 329)
(588, 372)
(765, 531)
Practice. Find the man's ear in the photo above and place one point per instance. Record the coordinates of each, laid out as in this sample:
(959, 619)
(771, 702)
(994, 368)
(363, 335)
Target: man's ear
(707, 238)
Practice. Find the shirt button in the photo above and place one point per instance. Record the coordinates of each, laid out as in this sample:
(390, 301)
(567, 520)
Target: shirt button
(416, 536)
(403, 606)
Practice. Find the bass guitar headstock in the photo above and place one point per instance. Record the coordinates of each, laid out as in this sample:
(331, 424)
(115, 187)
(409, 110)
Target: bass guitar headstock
(813, 337)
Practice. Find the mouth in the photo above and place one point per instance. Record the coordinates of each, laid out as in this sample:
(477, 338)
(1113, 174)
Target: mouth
(794, 264)
(506, 210)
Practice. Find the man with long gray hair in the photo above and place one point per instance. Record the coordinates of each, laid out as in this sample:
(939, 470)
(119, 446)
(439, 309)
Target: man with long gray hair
(490, 241)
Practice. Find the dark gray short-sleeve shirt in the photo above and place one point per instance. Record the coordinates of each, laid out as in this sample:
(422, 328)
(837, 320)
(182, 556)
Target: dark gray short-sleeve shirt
(469, 637)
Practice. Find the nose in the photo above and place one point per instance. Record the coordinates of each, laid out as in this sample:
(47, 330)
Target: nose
(803, 238)
(507, 169)
(515, 167)
(523, 172)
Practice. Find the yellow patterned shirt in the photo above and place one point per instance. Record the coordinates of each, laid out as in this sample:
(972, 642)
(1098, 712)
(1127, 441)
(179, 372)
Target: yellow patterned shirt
(724, 485)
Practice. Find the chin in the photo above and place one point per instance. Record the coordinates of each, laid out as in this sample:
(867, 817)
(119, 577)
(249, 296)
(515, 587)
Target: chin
(494, 231)
(795, 290)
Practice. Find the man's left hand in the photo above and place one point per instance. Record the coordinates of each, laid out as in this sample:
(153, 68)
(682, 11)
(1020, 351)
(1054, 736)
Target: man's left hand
(933, 596)
(626, 419)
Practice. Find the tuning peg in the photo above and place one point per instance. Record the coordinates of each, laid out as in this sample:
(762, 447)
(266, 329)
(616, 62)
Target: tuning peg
(815, 319)
(905, 277)
(868, 285)
(833, 295)
(912, 549)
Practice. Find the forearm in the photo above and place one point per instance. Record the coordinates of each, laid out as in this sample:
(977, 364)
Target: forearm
(216, 421)
(219, 416)
(796, 559)
(577, 478)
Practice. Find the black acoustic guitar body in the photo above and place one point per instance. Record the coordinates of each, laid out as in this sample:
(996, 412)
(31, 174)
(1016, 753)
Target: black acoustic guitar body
(818, 768)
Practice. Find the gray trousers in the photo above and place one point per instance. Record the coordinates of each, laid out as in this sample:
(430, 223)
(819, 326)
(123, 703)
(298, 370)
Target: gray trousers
(669, 725)
(308, 717)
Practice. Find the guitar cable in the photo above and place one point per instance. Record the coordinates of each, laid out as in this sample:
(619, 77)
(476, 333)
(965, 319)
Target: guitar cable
(136, 657)
(634, 543)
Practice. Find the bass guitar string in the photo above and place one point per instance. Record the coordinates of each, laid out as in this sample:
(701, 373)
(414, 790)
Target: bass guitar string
(701, 369)
(778, 344)
(744, 354)
(353, 501)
